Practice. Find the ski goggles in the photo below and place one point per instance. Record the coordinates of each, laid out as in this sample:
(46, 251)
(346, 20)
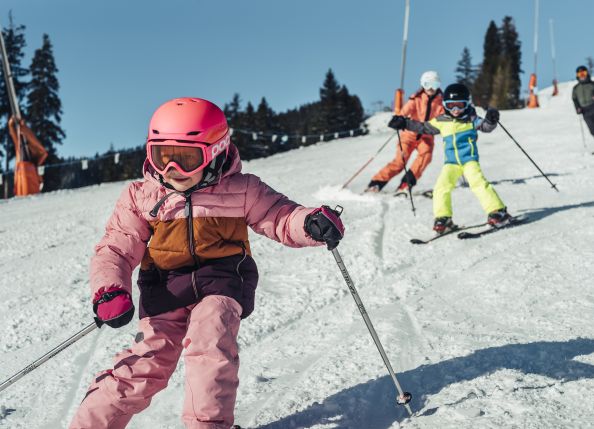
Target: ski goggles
(582, 74)
(186, 157)
(434, 85)
(456, 104)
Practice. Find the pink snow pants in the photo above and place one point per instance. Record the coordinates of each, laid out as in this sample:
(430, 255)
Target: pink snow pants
(208, 333)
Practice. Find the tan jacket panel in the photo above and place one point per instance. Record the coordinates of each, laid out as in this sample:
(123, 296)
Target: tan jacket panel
(214, 237)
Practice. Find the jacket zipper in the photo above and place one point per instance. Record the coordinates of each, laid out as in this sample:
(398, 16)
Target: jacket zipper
(456, 147)
(241, 262)
(190, 223)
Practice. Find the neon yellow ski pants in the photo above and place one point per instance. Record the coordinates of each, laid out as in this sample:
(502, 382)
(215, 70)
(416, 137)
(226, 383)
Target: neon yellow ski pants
(450, 173)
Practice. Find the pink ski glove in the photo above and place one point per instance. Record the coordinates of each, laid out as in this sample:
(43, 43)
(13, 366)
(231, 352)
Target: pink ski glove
(324, 224)
(113, 307)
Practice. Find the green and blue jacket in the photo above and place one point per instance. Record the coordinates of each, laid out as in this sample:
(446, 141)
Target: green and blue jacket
(459, 134)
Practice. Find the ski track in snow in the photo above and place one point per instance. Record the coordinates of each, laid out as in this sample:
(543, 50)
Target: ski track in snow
(490, 333)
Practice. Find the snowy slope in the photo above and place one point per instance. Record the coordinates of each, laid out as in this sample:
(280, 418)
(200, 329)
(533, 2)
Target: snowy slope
(488, 333)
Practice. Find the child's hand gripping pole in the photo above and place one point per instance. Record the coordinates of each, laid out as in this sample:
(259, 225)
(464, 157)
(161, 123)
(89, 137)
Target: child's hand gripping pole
(324, 225)
(403, 397)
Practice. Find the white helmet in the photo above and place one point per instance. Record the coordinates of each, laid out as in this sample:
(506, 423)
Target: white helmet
(430, 80)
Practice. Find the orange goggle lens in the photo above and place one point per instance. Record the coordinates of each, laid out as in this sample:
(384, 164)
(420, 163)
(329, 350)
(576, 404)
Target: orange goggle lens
(187, 157)
(582, 73)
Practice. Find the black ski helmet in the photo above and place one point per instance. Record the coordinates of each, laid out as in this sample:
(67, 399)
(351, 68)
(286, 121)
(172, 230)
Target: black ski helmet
(456, 92)
(581, 70)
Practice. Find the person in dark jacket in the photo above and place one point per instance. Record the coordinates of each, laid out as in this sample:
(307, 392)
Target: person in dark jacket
(583, 96)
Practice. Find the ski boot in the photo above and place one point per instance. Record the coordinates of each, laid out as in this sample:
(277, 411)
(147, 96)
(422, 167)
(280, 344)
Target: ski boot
(402, 190)
(375, 186)
(443, 224)
(499, 218)
(406, 184)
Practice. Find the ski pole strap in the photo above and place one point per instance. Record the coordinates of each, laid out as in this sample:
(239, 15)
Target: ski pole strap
(404, 397)
(16, 377)
(108, 296)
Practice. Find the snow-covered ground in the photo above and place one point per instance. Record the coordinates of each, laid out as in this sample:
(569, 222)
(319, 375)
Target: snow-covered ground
(487, 333)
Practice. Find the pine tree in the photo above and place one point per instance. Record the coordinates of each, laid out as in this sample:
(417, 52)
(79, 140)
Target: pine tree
(249, 116)
(329, 120)
(263, 119)
(233, 110)
(501, 86)
(14, 39)
(44, 108)
(350, 110)
(329, 89)
(510, 61)
(590, 64)
(483, 86)
(465, 71)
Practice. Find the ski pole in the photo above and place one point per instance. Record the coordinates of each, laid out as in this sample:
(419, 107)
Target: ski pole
(368, 162)
(53, 352)
(404, 397)
(582, 130)
(412, 204)
(528, 156)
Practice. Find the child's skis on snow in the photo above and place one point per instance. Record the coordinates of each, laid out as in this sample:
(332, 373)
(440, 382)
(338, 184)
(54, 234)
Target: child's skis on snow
(458, 128)
(186, 225)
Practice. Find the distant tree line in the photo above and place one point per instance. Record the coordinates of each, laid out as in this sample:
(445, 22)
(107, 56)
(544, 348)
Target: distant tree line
(260, 131)
(496, 81)
(38, 87)
(256, 131)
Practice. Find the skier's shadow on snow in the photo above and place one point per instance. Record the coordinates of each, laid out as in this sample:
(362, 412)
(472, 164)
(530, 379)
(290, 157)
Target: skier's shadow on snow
(523, 180)
(371, 405)
(533, 215)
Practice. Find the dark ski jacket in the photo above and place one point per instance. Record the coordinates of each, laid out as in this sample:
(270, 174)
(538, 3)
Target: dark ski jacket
(583, 96)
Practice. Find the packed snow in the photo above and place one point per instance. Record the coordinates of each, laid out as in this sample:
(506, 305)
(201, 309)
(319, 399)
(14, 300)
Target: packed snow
(487, 333)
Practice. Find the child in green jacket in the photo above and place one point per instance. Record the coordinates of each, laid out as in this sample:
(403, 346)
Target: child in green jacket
(458, 128)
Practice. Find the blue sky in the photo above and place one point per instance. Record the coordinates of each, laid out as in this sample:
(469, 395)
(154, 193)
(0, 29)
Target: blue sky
(119, 60)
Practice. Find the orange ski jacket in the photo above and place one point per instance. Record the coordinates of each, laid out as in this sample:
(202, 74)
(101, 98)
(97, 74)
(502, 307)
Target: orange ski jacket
(420, 107)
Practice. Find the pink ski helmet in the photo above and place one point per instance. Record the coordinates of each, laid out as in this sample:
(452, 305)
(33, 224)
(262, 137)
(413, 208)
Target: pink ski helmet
(190, 135)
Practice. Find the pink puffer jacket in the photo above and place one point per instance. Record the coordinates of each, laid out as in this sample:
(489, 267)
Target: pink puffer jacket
(220, 216)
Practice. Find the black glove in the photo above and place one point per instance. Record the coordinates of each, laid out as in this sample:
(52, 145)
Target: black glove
(376, 183)
(324, 224)
(492, 115)
(409, 178)
(113, 307)
(397, 122)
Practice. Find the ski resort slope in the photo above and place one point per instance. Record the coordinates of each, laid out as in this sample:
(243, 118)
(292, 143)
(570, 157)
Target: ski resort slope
(496, 332)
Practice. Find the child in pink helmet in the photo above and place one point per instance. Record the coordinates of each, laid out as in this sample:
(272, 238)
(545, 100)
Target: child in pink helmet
(186, 225)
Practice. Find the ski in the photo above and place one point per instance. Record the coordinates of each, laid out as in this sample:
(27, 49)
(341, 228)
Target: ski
(450, 231)
(427, 194)
(513, 222)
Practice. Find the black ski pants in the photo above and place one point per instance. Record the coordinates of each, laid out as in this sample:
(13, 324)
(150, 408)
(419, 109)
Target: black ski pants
(589, 118)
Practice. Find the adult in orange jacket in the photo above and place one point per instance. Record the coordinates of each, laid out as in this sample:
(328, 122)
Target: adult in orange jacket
(423, 105)
(30, 154)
